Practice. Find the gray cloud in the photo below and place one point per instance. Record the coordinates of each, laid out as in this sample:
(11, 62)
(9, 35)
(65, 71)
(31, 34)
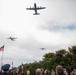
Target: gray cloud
(24, 50)
(33, 32)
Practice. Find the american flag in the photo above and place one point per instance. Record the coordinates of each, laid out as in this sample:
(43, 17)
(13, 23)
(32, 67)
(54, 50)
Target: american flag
(2, 48)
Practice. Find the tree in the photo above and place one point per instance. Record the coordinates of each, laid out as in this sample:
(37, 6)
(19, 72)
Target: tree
(72, 53)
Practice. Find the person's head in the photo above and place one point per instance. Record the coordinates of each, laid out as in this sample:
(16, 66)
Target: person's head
(17, 70)
(42, 70)
(72, 73)
(38, 71)
(0, 71)
(5, 67)
(59, 70)
(28, 72)
(75, 72)
(68, 69)
(45, 71)
(21, 68)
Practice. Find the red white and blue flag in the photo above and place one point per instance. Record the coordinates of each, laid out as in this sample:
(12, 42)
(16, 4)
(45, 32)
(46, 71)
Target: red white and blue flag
(2, 48)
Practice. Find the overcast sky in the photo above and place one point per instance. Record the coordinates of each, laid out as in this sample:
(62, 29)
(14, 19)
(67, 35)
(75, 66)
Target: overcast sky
(53, 29)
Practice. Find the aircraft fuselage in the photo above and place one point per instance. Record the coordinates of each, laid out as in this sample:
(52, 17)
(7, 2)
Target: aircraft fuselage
(35, 8)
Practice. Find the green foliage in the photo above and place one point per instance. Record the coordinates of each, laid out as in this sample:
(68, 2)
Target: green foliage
(51, 60)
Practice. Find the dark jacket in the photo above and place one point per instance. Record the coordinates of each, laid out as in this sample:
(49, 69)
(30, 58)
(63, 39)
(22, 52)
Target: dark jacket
(5, 73)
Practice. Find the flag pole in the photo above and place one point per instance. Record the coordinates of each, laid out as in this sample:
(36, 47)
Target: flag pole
(2, 58)
(12, 65)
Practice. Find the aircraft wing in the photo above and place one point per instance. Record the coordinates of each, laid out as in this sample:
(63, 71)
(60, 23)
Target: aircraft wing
(38, 8)
(14, 38)
(30, 8)
(42, 48)
(8, 38)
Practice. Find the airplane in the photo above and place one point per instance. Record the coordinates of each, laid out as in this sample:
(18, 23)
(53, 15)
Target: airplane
(35, 8)
(42, 48)
(11, 38)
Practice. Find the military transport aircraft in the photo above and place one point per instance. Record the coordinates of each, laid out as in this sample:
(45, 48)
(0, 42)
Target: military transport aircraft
(11, 38)
(35, 8)
(42, 48)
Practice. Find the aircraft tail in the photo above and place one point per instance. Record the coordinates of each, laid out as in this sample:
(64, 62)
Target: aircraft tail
(36, 14)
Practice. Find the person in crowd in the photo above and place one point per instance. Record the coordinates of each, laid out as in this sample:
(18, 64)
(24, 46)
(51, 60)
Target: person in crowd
(21, 70)
(5, 69)
(75, 72)
(28, 72)
(72, 73)
(59, 70)
(46, 72)
(10, 72)
(38, 71)
(0, 72)
(42, 71)
(65, 72)
(52, 72)
(17, 72)
(68, 69)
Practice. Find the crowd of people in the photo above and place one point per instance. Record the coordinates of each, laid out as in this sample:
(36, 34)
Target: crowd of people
(59, 70)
